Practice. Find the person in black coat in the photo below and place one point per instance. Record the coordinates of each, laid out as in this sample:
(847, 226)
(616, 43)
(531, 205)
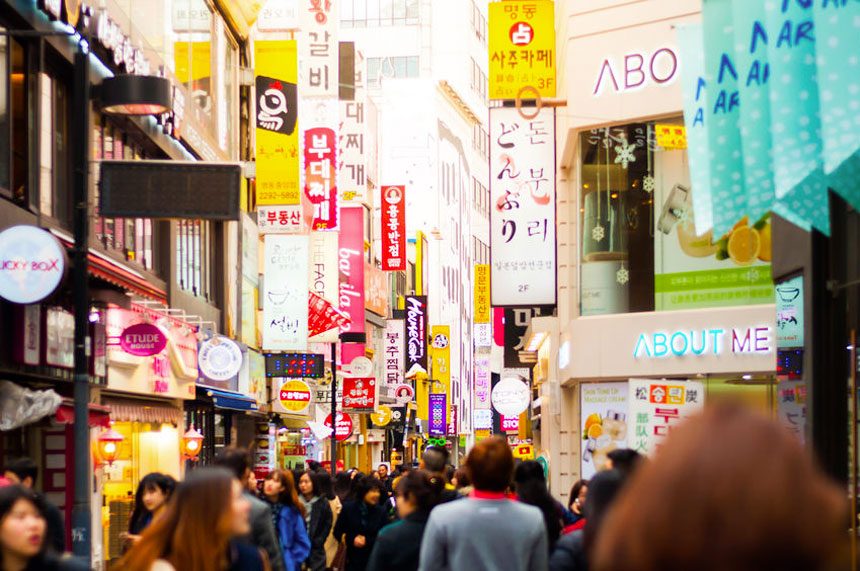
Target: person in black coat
(319, 516)
(398, 547)
(360, 522)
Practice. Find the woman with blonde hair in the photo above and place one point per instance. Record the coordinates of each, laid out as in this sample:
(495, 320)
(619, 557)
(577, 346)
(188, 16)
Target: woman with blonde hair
(729, 489)
(199, 529)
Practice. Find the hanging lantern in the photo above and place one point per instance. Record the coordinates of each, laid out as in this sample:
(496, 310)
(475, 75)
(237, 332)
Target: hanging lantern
(109, 445)
(192, 442)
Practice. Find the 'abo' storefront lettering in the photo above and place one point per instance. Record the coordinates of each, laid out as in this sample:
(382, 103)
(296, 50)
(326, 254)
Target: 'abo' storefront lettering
(748, 341)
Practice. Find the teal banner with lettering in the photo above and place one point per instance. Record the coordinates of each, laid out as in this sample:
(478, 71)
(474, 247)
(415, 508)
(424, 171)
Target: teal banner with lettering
(691, 44)
(799, 184)
(837, 27)
(722, 115)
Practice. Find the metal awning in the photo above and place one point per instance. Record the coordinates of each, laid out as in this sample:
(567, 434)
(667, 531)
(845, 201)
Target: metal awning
(228, 400)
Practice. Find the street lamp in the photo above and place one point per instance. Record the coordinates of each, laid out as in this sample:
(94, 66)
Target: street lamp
(108, 445)
(191, 443)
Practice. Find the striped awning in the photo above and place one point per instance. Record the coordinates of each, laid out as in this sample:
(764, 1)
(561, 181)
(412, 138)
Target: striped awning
(155, 414)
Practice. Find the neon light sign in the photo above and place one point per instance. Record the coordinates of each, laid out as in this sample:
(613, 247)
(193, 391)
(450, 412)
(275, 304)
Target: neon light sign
(704, 342)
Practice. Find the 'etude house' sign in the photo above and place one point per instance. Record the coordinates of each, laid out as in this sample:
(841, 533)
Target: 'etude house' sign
(143, 340)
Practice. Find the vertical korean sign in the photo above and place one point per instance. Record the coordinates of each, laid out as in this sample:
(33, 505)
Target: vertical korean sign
(438, 414)
(285, 293)
(522, 49)
(393, 228)
(482, 381)
(319, 148)
(656, 407)
(395, 355)
(351, 264)
(440, 336)
(522, 218)
(318, 49)
(352, 179)
(416, 348)
(277, 144)
(482, 331)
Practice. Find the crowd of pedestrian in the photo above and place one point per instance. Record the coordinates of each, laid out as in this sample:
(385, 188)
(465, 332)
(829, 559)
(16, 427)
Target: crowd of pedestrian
(727, 490)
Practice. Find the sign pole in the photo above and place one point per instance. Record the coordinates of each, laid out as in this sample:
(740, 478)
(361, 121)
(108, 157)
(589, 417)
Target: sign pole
(333, 410)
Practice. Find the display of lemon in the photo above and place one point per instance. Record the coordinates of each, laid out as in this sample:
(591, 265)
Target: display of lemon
(595, 431)
(592, 418)
(764, 253)
(744, 245)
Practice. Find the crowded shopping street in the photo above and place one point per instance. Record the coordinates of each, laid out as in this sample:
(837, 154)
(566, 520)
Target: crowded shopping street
(429, 285)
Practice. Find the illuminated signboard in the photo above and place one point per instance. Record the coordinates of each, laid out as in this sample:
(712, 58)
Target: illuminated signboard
(295, 365)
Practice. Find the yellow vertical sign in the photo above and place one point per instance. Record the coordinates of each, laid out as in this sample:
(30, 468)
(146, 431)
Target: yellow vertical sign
(440, 344)
(482, 293)
(522, 49)
(277, 135)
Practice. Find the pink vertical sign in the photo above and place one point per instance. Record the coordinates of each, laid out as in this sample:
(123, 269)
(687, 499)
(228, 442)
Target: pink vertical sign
(351, 265)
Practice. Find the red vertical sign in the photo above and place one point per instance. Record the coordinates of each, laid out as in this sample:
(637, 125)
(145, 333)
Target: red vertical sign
(351, 263)
(320, 154)
(394, 228)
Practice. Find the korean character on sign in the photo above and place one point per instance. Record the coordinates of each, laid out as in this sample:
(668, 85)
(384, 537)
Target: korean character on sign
(319, 146)
(283, 217)
(527, 57)
(537, 133)
(529, 11)
(319, 77)
(321, 210)
(271, 216)
(512, 59)
(354, 141)
(321, 9)
(319, 44)
(538, 228)
(498, 57)
(321, 168)
(355, 110)
(295, 218)
(545, 56)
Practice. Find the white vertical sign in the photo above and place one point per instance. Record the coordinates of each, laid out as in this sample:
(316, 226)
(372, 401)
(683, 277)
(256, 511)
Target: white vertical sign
(394, 356)
(285, 292)
(324, 279)
(522, 198)
(318, 48)
(482, 381)
(352, 176)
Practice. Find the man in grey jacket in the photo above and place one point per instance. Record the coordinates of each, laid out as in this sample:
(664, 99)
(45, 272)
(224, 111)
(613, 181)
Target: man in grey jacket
(487, 531)
(238, 461)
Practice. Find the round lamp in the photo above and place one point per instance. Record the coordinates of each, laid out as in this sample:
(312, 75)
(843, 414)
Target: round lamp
(127, 94)
(109, 445)
(191, 443)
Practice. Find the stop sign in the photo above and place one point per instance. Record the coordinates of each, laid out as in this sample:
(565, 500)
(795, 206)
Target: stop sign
(343, 430)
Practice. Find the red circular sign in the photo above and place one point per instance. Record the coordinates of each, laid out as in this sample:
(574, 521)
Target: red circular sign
(344, 426)
(521, 34)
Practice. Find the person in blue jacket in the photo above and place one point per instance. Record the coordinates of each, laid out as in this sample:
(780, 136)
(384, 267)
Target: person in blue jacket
(288, 517)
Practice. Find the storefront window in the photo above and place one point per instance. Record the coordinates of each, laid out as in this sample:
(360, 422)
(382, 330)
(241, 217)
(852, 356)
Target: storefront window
(193, 257)
(640, 249)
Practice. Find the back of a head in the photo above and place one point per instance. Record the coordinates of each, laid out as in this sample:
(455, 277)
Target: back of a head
(729, 489)
(625, 460)
(343, 486)
(364, 484)
(423, 487)
(236, 460)
(322, 484)
(490, 465)
(23, 468)
(435, 459)
(603, 489)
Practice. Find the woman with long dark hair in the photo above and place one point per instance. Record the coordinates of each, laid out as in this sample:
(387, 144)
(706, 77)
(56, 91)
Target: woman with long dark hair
(318, 517)
(360, 522)
(531, 489)
(199, 529)
(288, 517)
(153, 492)
(23, 545)
(398, 547)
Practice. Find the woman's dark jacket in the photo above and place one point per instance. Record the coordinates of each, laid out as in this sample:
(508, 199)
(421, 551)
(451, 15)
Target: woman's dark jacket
(318, 530)
(398, 546)
(359, 518)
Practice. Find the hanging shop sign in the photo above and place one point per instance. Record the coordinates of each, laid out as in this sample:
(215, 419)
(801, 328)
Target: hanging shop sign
(453, 426)
(324, 279)
(323, 319)
(522, 48)
(482, 419)
(319, 144)
(59, 338)
(143, 340)
(343, 429)
(511, 396)
(440, 340)
(278, 16)
(295, 396)
(393, 228)
(516, 324)
(376, 296)
(295, 365)
(482, 293)
(277, 144)
(382, 417)
(284, 219)
(352, 176)
(438, 413)
(285, 293)
(656, 407)
(416, 333)
(318, 50)
(404, 393)
(481, 370)
(394, 358)
(32, 264)
(359, 394)
(351, 265)
(509, 423)
(219, 358)
(522, 212)
(789, 313)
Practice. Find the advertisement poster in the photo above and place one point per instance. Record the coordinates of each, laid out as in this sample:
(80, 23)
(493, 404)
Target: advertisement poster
(697, 271)
(319, 152)
(789, 313)
(393, 228)
(438, 412)
(359, 394)
(277, 141)
(285, 293)
(522, 48)
(352, 178)
(603, 410)
(351, 263)
(522, 213)
(655, 407)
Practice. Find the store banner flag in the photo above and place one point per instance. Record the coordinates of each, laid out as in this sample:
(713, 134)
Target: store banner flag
(522, 213)
(359, 394)
(837, 25)
(655, 407)
(393, 228)
(320, 157)
(324, 278)
(277, 141)
(318, 49)
(799, 183)
(481, 371)
(438, 414)
(351, 263)
(440, 343)
(482, 293)
(285, 292)
(521, 49)
(395, 357)
(691, 43)
(722, 114)
(352, 174)
(753, 70)
(416, 350)
(603, 409)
